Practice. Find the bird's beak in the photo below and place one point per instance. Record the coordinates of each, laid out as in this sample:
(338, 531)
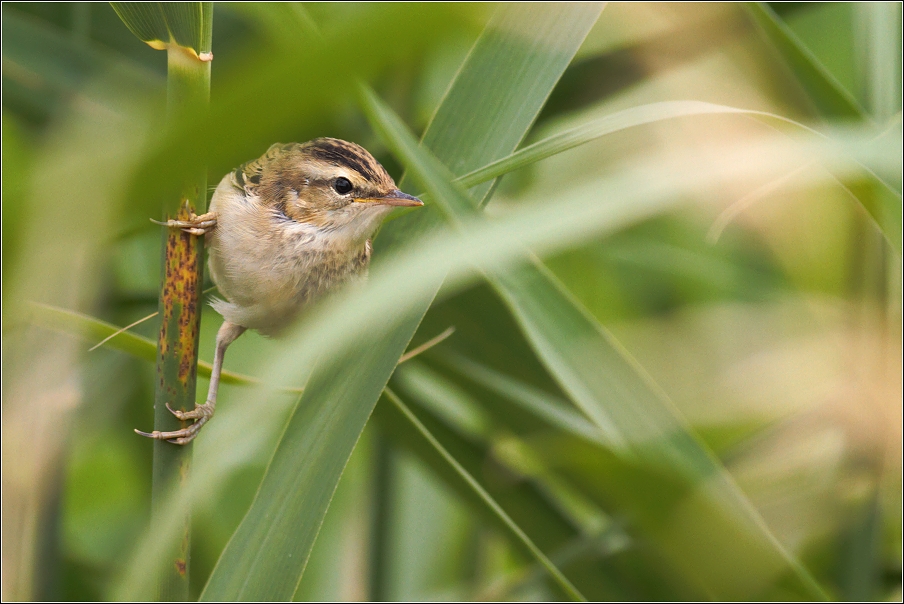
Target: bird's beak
(393, 198)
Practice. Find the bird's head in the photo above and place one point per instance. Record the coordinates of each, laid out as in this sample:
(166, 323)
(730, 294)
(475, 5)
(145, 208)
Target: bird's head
(329, 183)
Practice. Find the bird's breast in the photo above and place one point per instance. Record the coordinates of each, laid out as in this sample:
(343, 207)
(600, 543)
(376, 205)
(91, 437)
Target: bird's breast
(270, 268)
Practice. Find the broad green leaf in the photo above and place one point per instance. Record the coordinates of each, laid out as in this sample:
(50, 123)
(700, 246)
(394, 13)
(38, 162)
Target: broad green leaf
(501, 87)
(637, 419)
(162, 24)
(266, 557)
(273, 543)
(398, 417)
(826, 93)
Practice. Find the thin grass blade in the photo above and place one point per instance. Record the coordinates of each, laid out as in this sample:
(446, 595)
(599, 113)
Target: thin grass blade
(91, 329)
(403, 415)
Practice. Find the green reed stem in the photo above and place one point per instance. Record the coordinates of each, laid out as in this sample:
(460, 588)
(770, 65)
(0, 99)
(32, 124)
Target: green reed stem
(188, 93)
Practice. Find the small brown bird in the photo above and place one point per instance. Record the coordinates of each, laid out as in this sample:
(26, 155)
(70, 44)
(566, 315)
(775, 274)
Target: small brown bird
(283, 230)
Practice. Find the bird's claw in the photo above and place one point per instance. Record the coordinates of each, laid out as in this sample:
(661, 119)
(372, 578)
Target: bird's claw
(201, 414)
(196, 225)
(200, 411)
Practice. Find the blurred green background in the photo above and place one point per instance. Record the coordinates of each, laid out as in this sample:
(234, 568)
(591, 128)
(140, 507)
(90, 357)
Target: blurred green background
(768, 312)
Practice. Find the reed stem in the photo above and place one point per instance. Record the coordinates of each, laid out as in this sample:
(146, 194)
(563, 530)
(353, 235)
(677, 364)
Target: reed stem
(188, 93)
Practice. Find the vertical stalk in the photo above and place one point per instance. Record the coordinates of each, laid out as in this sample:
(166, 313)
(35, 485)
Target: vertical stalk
(188, 93)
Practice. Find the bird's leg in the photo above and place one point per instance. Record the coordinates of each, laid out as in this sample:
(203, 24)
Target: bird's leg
(202, 413)
(196, 225)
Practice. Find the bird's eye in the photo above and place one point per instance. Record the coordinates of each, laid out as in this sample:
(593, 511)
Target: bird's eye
(342, 185)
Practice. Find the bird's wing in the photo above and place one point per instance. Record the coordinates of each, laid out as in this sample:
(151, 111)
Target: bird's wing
(248, 175)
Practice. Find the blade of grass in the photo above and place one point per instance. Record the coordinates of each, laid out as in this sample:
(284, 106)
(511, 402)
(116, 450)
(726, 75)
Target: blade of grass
(427, 345)
(636, 417)
(593, 129)
(266, 557)
(123, 330)
(91, 329)
(827, 94)
(133, 324)
(485, 498)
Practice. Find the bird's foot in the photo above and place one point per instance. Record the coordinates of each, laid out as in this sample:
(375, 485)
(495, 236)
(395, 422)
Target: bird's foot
(196, 225)
(201, 414)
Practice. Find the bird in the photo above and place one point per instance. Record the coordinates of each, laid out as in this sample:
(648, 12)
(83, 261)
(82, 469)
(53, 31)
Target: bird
(282, 231)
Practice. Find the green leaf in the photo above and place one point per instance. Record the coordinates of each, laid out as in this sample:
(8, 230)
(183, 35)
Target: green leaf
(642, 428)
(398, 416)
(267, 555)
(162, 24)
(827, 94)
(269, 551)
(501, 87)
